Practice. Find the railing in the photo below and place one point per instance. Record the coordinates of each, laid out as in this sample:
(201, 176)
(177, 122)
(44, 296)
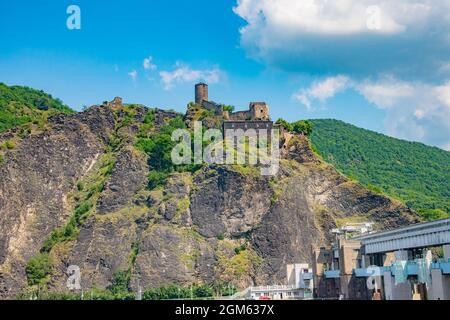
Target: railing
(412, 268)
(443, 266)
(307, 276)
(274, 288)
(333, 274)
(370, 272)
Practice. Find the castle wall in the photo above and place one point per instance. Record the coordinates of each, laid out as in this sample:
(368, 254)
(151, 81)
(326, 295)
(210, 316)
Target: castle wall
(240, 116)
(246, 125)
(258, 111)
(214, 107)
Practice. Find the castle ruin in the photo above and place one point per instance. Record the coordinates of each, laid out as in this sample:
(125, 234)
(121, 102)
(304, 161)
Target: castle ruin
(256, 117)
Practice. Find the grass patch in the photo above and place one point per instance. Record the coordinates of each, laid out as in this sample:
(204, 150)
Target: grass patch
(8, 145)
(38, 269)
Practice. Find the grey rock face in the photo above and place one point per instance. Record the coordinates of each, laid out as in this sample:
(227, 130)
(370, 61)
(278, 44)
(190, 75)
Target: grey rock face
(226, 202)
(128, 177)
(35, 182)
(171, 255)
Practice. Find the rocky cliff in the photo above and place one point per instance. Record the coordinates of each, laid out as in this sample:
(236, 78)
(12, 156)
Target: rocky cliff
(76, 193)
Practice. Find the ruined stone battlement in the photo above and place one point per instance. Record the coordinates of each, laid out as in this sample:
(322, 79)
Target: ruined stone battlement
(258, 111)
(116, 102)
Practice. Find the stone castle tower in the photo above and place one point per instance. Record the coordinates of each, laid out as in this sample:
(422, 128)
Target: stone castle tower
(201, 93)
(259, 111)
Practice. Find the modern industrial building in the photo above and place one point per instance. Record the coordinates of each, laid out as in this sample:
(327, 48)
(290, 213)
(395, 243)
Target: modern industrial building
(411, 263)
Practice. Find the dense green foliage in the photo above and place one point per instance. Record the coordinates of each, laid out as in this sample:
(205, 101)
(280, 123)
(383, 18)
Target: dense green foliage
(171, 292)
(414, 173)
(228, 108)
(21, 105)
(119, 290)
(159, 145)
(121, 284)
(200, 291)
(38, 269)
(303, 126)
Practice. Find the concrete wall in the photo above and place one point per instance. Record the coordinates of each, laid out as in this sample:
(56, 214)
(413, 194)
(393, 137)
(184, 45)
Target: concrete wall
(447, 252)
(440, 286)
(349, 254)
(326, 288)
(354, 288)
(396, 292)
(389, 259)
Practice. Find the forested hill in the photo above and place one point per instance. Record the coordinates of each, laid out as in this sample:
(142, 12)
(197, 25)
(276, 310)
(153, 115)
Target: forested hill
(414, 173)
(21, 105)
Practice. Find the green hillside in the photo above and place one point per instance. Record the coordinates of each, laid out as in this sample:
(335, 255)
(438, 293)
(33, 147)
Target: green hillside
(414, 173)
(21, 105)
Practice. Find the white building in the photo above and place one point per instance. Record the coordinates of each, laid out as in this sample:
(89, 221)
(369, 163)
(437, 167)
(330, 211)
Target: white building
(299, 285)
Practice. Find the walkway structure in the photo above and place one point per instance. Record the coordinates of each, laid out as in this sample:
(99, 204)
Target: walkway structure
(423, 235)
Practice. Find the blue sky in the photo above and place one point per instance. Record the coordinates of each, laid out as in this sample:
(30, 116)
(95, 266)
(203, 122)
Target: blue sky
(307, 59)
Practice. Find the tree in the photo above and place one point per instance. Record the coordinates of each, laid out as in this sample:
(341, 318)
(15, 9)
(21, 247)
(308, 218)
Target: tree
(302, 126)
(228, 108)
(284, 124)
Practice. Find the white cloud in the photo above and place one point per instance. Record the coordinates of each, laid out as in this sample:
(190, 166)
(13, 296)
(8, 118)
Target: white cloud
(184, 73)
(327, 17)
(148, 64)
(387, 92)
(133, 75)
(446, 147)
(322, 90)
(320, 36)
(414, 110)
